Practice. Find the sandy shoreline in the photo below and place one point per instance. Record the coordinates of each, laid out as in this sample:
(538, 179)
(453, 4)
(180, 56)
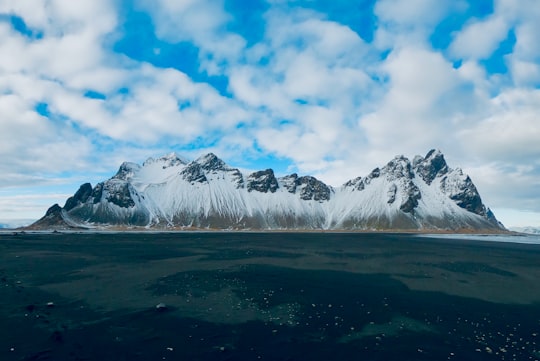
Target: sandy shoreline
(69, 295)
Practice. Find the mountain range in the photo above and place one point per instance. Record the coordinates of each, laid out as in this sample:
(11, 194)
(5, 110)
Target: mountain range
(174, 193)
(527, 230)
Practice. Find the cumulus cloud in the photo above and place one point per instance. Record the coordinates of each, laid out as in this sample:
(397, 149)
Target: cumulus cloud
(413, 12)
(70, 58)
(405, 22)
(21, 209)
(41, 147)
(524, 60)
(512, 130)
(424, 100)
(480, 38)
(202, 22)
(70, 40)
(313, 83)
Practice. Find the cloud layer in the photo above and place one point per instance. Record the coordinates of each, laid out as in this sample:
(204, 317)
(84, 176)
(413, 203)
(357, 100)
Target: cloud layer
(298, 85)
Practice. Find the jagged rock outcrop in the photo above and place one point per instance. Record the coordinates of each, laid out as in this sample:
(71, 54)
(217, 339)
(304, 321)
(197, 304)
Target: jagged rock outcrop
(262, 181)
(207, 193)
(193, 172)
(81, 196)
(461, 189)
(430, 167)
(308, 187)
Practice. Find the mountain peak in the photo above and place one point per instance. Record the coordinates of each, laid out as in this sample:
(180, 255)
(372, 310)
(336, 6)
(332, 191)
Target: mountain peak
(210, 162)
(431, 166)
(399, 167)
(262, 181)
(168, 160)
(193, 173)
(126, 171)
(81, 196)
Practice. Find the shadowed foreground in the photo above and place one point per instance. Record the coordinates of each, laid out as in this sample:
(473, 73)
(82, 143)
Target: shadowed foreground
(268, 296)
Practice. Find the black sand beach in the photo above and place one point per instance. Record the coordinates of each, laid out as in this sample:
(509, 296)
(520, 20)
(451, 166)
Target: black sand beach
(266, 296)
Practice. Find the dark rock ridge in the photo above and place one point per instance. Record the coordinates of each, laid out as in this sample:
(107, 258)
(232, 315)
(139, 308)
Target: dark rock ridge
(81, 196)
(310, 187)
(430, 167)
(211, 162)
(425, 194)
(262, 181)
(193, 172)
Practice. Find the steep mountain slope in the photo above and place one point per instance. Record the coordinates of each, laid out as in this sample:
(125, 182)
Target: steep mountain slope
(172, 192)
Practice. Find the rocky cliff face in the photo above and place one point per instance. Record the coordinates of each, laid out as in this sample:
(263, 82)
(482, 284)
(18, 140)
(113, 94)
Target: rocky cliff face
(262, 181)
(207, 193)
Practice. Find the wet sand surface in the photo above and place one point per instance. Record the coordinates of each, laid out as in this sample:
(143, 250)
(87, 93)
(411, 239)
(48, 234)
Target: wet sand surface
(266, 296)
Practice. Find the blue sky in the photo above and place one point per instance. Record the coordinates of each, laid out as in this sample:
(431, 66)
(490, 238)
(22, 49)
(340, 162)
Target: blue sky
(329, 88)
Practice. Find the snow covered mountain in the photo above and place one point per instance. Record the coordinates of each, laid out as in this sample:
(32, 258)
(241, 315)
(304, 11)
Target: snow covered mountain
(528, 230)
(172, 192)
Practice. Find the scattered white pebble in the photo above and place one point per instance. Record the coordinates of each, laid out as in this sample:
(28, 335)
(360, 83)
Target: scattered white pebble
(161, 306)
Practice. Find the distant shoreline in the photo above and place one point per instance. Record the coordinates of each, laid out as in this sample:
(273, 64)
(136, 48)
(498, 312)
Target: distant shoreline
(116, 229)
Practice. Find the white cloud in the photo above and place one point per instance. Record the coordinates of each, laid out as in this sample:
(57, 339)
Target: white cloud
(71, 37)
(27, 206)
(525, 73)
(408, 22)
(504, 185)
(501, 150)
(35, 16)
(419, 78)
(315, 77)
(69, 59)
(480, 39)
(413, 12)
(309, 59)
(30, 144)
(201, 22)
(527, 45)
(416, 113)
(525, 59)
(186, 19)
(151, 111)
(472, 72)
(56, 16)
(511, 131)
(308, 141)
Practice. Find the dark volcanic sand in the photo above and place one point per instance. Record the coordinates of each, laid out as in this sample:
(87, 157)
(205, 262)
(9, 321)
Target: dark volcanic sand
(267, 296)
